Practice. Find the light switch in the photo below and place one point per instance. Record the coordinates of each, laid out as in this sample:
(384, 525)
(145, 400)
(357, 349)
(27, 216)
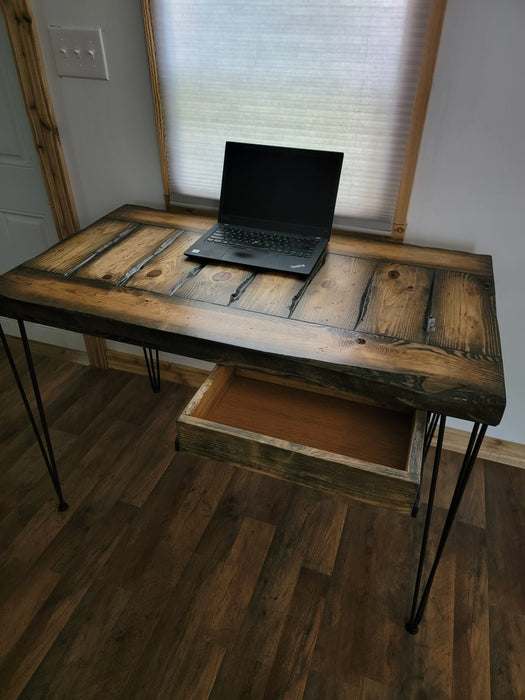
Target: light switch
(79, 53)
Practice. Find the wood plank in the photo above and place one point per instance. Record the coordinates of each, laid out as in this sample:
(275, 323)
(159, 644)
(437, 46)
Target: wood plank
(334, 297)
(96, 351)
(454, 382)
(322, 686)
(264, 621)
(45, 627)
(343, 243)
(422, 96)
(65, 257)
(247, 495)
(271, 294)
(216, 284)
(169, 371)
(367, 596)
(324, 543)
(155, 217)
(463, 308)
(396, 303)
(493, 449)
(117, 264)
(167, 270)
(21, 605)
(388, 251)
(427, 663)
(471, 615)
(156, 94)
(505, 496)
(289, 673)
(507, 643)
(76, 647)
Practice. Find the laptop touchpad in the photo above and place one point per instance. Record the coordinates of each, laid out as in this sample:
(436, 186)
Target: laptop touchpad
(242, 254)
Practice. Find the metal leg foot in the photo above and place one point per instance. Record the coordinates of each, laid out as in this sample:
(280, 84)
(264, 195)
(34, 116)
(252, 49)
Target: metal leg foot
(153, 366)
(476, 438)
(42, 435)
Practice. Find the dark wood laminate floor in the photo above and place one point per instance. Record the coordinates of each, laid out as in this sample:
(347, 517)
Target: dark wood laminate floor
(175, 577)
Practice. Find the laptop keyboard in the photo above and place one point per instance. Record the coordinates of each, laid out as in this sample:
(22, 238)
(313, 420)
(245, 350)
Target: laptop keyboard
(297, 246)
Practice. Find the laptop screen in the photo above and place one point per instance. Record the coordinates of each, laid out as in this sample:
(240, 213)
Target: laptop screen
(276, 188)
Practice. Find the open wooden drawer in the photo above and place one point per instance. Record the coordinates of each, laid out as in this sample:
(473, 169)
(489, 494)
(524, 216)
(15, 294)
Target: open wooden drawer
(338, 443)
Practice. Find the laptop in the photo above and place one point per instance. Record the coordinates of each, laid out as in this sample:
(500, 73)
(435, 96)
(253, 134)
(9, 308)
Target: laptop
(276, 208)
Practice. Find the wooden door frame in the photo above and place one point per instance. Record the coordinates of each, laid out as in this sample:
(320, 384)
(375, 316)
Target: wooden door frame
(39, 107)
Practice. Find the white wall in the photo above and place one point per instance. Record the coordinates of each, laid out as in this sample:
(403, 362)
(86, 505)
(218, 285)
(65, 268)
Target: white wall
(107, 128)
(469, 189)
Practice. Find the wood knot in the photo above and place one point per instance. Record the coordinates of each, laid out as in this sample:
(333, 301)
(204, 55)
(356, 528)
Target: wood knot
(108, 276)
(328, 284)
(393, 274)
(361, 341)
(221, 276)
(154, 273)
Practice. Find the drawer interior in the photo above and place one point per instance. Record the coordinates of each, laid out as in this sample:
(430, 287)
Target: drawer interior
(345, 426)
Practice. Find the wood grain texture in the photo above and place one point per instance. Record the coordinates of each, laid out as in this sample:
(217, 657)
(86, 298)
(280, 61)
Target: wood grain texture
(335, 295)
(271, 294)
(493, 449)
(169, 269)
(396, 303)
(215, 284)
(332, 444)
(362, 246)
(119, 262)
(435, 23)
(155, 89)
(65, 258)
(266, 589)
(362, 323)
(464, 311)
(39, 106)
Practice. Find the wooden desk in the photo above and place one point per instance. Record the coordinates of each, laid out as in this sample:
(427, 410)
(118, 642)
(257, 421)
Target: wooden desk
(405, 325)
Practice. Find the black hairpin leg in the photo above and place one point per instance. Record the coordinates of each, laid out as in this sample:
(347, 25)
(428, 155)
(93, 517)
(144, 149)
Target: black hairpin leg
(432, 420)
(47, 448)
(153, 368)
(476, 438)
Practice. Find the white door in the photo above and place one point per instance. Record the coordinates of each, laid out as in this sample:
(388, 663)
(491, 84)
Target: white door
(26, 222)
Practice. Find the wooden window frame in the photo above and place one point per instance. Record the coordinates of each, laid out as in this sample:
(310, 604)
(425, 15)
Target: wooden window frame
(437, 13)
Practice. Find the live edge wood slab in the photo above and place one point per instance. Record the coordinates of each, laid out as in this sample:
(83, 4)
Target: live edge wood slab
(403, 324)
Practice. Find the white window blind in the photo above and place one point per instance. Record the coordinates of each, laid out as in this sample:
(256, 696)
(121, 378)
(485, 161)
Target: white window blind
(306, 73)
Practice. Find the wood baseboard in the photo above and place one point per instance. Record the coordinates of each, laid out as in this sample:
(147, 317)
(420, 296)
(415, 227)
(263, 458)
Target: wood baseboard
(493, 449)
(169, 371)
(509, 453)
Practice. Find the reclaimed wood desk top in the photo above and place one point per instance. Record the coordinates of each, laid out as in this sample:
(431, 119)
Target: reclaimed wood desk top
(401, 323)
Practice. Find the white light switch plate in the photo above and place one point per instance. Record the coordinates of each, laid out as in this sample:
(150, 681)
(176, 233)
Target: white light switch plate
(79, 53)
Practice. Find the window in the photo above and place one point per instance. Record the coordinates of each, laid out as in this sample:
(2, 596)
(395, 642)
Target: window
(308, 73)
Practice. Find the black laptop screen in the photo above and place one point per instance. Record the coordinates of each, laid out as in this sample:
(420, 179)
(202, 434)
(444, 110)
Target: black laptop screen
(279, 188)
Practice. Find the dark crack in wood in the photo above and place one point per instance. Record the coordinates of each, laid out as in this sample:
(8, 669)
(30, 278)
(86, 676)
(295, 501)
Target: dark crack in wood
(133, 271)
(102, 249)
(365, 299)
(237, 294)
(297, 298)
(192, 273)
(429, 321)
